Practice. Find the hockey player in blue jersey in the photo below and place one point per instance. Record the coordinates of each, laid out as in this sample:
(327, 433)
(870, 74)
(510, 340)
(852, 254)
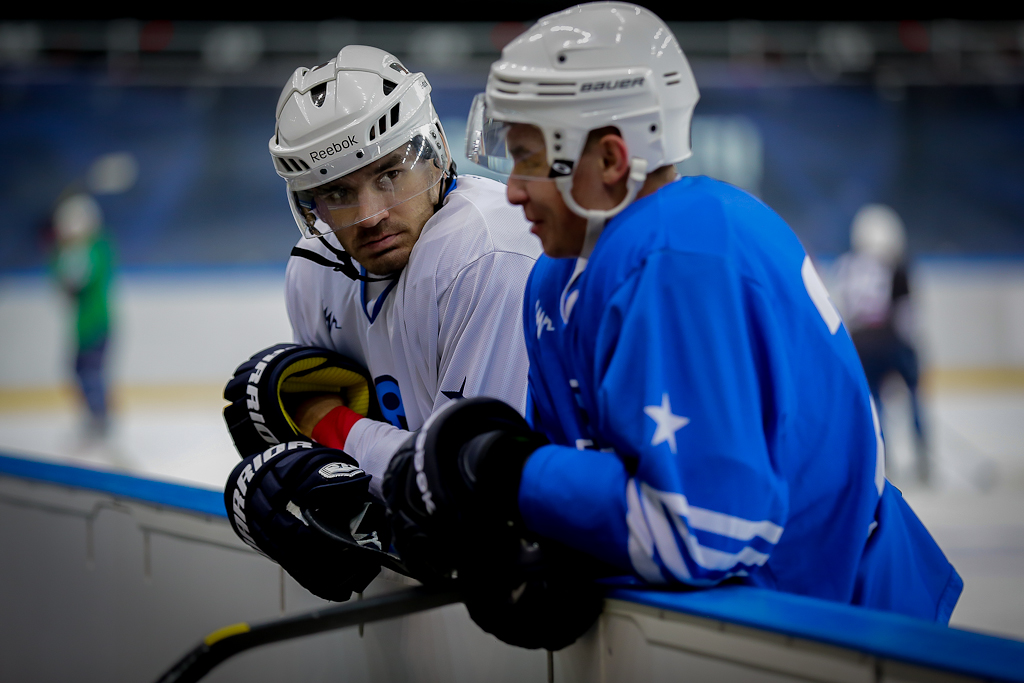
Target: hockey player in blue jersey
(707, 416)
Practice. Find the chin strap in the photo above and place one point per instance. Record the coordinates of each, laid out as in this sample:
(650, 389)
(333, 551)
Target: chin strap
(597, 218)
(344, 264)
(447, 183)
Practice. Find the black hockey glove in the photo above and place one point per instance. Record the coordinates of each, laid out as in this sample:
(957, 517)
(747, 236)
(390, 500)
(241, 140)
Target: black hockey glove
(452, 496)
(267, 388)
(309, 509)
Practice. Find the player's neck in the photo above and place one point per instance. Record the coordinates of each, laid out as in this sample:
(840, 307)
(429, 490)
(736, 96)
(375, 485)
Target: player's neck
(657, 180)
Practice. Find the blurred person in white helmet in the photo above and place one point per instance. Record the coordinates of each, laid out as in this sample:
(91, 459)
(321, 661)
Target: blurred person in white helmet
(708, 418)
(872, 292)
(404, 294)
(83, 266)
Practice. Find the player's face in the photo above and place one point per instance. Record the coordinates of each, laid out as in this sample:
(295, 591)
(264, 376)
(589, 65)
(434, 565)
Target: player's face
(383, 242)
(561, 231)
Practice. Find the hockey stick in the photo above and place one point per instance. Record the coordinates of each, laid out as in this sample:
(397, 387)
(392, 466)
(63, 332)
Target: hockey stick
(230, 640)
(316, 521)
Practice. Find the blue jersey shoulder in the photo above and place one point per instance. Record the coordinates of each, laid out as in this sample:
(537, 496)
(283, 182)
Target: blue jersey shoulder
(698, 215)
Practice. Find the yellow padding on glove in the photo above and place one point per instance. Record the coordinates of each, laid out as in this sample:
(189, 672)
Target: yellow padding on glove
(351, 386)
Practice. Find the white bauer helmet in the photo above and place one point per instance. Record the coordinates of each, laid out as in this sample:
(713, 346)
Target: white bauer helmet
(584, 68)
(344, 115)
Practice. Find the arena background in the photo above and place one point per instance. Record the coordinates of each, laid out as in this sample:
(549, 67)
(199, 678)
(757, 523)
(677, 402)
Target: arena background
(816, 117)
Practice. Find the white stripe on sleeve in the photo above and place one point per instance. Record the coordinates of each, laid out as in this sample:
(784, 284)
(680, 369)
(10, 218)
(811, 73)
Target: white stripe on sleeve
(647, 516)
(719, 522)
(665, 542)
(640, 544)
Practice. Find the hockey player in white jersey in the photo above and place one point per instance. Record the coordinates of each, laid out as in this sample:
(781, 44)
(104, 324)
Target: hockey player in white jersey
(404, 293)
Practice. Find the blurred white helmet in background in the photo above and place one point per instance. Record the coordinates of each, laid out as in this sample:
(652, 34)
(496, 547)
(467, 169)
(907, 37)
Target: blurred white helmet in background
(342, 116)
(77, 217)
(877, 231)
(591, 66)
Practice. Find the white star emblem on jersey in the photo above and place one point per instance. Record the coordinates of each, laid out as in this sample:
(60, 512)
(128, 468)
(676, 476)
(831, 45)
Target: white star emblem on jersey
(666, 423)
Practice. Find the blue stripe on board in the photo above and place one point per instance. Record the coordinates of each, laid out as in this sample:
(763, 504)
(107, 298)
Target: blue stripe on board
(191, 498)
(882, 634)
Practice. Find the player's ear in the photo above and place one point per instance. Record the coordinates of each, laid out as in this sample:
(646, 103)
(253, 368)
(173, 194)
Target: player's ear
(614, 159)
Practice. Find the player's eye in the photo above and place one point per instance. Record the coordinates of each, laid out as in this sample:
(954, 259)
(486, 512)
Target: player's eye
(388, 178)
(337, 196)
(534, 163)
(518, 154)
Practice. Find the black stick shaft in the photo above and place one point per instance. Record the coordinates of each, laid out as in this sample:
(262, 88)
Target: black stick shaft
(231, 640)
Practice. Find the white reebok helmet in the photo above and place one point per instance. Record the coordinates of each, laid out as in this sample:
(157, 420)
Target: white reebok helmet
(339, 117)
(584, 68)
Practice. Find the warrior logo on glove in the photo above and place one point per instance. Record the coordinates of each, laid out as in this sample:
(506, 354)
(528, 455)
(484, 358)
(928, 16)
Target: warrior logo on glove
(246, 471)
(267, 388)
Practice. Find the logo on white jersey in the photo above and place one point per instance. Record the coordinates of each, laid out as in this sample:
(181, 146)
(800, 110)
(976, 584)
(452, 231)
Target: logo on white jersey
(543, 321)
(330, 320)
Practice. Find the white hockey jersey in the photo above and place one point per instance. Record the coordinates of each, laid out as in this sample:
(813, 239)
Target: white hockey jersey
(449, 326)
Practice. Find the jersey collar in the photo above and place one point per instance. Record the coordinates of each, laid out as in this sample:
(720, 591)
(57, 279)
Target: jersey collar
(381, 298)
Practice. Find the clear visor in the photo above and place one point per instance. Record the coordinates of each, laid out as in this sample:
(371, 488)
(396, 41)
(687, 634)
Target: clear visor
(513, 149)
(365, 193)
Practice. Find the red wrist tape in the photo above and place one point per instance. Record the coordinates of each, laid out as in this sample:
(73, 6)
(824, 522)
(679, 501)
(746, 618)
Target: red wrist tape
(332, 431)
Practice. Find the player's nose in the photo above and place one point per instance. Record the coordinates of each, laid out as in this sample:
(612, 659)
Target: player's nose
(374, 207)
(374, 220)
(515, 191)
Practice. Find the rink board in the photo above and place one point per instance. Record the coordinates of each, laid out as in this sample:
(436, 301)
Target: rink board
(110, 577)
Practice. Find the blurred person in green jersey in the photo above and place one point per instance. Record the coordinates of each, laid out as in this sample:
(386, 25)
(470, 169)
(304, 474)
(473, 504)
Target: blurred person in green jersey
(83, 265)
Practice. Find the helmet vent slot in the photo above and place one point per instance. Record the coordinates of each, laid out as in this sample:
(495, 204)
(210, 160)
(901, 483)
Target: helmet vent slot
(542, 88)
(318, 93)
(672, 78)
(398, 67)
(382, 124)
(565, 88)
(373, 133)
(394, 114)
(389, 86)
(291, 165)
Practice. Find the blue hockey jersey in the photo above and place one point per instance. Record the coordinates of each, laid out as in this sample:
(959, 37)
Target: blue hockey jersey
(709, 416)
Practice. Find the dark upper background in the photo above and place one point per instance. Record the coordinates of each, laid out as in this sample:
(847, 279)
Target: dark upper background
(815, 114)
